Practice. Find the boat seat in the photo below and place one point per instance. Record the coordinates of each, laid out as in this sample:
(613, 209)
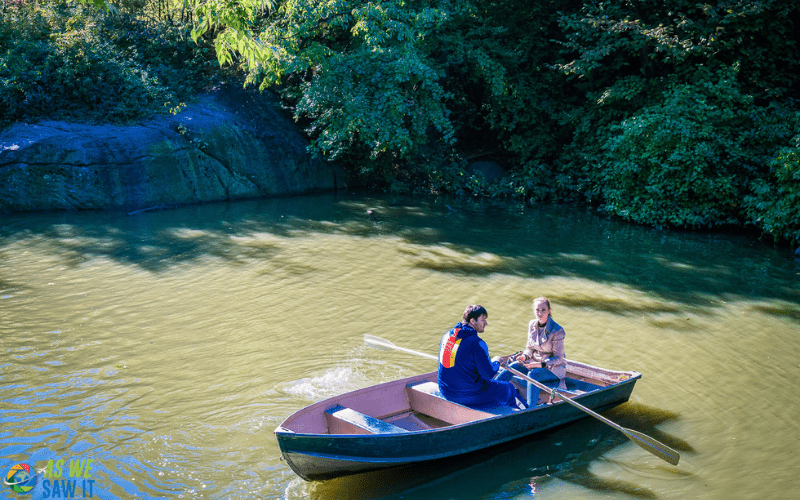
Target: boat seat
(579, 386)
(425, 397)
(343, 420)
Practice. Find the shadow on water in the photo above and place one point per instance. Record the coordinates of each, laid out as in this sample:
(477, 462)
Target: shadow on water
(472, 239)
(565, 454)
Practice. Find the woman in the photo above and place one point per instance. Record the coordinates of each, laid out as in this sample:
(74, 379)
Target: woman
(543, 358)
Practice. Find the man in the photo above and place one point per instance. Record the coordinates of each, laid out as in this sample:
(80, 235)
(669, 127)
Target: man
(465, 369)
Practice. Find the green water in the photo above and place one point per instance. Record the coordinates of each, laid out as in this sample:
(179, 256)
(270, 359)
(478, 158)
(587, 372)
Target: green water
(167, 346)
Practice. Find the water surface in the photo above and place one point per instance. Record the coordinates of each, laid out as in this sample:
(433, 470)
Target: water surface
(167, 346)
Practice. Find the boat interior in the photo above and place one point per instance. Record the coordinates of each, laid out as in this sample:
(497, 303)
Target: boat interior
(416, 404)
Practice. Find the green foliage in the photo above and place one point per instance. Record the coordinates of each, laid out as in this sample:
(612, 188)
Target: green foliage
(233, 22)
(505, 95)
(774, 205)
(662, 112)
(658, 38)
(689, 160)
(533, 184)
(66, 61)
(361, 73)
(685, 106)
(386, 102)
(679, 162)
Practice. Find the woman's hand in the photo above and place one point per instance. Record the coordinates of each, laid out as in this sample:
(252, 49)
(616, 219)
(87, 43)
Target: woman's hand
(533, 364)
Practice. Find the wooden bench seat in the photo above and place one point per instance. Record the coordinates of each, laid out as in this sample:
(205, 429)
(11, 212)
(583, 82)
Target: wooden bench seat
(426, 398)
(342, 420)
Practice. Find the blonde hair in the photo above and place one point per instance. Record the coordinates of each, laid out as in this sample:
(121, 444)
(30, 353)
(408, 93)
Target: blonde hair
(540, 300)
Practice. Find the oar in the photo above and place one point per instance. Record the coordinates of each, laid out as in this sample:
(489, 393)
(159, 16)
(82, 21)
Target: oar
(644, 441)
(369, 339)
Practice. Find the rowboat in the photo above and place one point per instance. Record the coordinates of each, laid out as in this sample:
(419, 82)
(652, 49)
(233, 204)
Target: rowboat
(408, 421)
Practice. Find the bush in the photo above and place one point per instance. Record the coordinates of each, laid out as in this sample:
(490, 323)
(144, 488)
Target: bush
(689, 160)
(66, 61)
(774, 205)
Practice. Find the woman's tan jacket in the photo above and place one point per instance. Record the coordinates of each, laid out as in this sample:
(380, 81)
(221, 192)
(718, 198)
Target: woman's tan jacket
(546, 345)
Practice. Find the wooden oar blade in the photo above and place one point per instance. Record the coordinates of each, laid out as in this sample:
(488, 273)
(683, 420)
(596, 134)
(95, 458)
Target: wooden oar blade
(657, 448)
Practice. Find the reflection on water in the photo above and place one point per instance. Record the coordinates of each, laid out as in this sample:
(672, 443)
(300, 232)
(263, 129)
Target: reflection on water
(565, 454)
(166, 346)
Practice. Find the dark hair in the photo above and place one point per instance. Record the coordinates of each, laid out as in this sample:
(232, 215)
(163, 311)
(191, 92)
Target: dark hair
(474, 312)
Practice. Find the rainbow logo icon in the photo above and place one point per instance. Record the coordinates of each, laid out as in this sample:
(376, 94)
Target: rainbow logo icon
(20, 478)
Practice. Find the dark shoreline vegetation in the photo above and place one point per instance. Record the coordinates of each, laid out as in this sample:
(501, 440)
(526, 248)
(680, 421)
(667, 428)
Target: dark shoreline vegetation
(667, 113)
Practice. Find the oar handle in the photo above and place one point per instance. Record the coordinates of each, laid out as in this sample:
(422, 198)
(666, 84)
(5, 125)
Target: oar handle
(538, 384)
(554, 392)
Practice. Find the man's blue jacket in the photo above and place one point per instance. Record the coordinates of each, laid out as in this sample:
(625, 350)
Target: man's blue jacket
(466, 371)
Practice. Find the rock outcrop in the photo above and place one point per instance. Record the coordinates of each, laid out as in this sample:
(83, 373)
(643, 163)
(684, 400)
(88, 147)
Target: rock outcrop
(232, 144)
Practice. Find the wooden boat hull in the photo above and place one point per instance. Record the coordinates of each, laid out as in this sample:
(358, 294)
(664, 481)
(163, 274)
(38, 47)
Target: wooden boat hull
(318, 455)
